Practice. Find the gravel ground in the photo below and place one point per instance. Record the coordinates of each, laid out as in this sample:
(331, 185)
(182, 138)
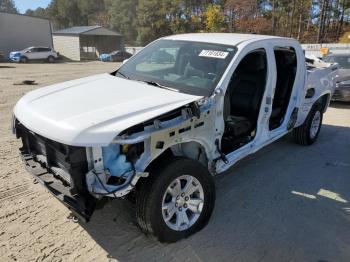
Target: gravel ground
(285, 203)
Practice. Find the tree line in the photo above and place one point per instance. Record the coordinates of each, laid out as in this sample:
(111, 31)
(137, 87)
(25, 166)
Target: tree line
(141, 21)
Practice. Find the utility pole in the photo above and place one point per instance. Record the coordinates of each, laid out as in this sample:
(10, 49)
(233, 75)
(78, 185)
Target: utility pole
(273, 18)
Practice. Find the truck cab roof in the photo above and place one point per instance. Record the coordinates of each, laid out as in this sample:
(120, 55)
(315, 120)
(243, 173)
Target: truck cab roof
(222, 38)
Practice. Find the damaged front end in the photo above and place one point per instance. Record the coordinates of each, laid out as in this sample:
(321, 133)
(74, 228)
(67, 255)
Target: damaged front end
(60, 168)
(79, 176)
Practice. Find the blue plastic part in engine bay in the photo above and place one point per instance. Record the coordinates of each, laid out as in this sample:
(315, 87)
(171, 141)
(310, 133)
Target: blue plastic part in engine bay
(115, 162)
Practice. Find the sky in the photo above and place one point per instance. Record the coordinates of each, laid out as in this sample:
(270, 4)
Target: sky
(23, 5)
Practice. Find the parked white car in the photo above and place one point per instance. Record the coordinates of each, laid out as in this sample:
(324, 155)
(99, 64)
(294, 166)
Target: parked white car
(163, 130)
(34, 54)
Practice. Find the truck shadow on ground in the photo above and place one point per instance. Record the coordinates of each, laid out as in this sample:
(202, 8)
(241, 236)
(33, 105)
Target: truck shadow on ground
(341, 105)
(286, 202)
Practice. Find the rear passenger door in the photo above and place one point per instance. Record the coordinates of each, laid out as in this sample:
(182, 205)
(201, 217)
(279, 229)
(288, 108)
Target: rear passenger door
(43, 53)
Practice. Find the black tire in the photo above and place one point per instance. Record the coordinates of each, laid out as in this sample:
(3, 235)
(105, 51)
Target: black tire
(24, 60)
(51, 59)
(302, 134)
(151, 190)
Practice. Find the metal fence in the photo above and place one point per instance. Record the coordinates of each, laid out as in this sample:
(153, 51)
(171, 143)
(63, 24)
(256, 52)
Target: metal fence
(314, 49)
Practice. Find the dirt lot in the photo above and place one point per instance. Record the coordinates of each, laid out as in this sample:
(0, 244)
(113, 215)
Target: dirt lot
(285, 203)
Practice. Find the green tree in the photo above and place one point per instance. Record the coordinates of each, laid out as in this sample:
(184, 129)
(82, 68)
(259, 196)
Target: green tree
(65, 13)
(8, 6)
(124, 19)
(152, 20)
(146, 20)
(214, 18)
(186, 16)
(39, 12)
(91, 11)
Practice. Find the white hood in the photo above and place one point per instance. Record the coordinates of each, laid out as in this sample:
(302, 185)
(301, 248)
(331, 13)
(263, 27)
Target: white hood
(91, 111)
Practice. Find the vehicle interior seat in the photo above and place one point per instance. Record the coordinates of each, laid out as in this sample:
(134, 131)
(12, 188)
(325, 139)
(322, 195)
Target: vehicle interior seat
(244, 94)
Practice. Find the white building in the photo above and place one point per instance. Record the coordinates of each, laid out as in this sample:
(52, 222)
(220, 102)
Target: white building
(86, 42)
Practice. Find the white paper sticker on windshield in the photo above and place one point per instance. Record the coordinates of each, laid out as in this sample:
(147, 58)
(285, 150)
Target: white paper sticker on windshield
(214, 54)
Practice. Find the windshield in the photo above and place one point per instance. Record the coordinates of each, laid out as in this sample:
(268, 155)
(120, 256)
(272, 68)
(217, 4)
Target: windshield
(343, 61)
(188, 67)
(26, 49)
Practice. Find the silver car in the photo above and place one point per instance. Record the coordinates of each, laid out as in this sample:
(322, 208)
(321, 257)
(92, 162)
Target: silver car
(342, 90)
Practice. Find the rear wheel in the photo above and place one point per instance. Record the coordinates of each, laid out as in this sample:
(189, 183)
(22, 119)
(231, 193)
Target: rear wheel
(176, 201)
(51, 59)
(307, 133)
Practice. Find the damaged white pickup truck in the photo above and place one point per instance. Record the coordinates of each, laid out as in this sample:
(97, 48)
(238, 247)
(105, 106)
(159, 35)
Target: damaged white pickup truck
(183, 109)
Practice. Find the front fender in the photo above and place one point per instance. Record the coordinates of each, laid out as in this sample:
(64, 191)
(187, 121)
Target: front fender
(180, 135)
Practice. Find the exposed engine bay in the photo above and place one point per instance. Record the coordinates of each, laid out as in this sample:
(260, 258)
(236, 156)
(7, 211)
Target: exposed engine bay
(115, 169)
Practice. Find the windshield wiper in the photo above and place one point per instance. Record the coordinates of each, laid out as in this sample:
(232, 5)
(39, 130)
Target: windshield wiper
(153, 83)
(159, 85)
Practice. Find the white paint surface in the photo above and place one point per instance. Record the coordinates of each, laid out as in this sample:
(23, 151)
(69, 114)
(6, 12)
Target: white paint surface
(93, 110)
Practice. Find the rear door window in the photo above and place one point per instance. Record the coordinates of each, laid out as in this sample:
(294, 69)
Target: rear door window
(43, 49)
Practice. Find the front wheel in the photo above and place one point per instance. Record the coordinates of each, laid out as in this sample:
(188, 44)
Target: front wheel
(307, 133)
(23, 59)
(176, 201)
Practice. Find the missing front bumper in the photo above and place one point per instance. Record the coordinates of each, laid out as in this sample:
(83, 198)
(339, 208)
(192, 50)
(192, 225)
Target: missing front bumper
(81, 205)
(60, 168)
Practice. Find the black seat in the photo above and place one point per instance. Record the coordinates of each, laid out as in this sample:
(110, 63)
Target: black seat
(244, 94)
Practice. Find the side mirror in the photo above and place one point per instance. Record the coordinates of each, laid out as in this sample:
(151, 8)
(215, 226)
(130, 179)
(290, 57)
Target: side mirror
(125, 60)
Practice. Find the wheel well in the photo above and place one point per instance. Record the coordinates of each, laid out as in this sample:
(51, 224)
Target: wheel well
(324, 101)
(160, 160)
(192, 150)
(156, 163)
(179, 150)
